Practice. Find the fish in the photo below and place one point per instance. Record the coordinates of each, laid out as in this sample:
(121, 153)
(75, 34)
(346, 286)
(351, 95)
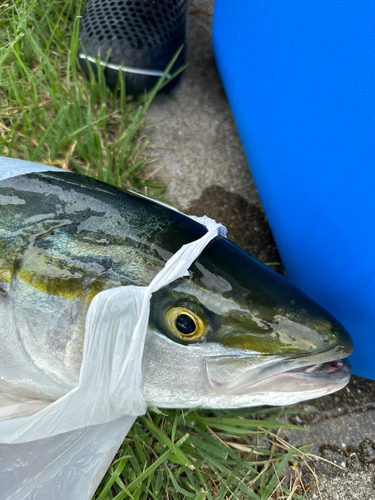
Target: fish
(231, 334)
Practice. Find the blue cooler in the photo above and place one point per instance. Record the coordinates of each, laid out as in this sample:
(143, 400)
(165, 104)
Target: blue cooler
(300, 78)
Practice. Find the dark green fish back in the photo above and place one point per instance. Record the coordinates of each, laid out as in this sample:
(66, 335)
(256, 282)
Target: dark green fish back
(73, 236)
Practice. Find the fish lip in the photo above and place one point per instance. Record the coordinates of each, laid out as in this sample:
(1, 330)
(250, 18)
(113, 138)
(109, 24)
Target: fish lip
(335, 374)
(314, 368)
(322, 369)
(328, 377)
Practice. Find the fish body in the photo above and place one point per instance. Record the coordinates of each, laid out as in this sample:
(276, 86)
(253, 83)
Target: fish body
(233, 333)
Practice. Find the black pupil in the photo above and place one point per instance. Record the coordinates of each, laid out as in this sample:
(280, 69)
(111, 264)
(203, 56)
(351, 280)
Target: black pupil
(185, 324)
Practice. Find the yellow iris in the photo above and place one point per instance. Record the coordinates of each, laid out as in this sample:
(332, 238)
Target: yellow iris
(184, 323)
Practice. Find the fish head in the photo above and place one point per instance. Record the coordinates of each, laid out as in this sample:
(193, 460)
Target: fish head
(236, 334)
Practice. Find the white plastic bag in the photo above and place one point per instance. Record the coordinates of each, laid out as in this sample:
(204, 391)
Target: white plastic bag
(63, 450)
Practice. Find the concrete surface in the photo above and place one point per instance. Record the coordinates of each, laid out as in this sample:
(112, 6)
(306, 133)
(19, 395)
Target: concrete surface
(200, 153)
(195, 131)
(342, 430)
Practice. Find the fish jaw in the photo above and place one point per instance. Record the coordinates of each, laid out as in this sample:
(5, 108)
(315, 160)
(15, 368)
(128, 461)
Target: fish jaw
(284, 388)
(308, 375)
(279, 382)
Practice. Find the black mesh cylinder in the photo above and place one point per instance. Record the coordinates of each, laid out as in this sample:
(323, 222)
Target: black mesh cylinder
(141, 36)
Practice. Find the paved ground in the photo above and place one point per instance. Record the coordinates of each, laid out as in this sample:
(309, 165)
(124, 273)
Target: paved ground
(200, 153)
(196, 132)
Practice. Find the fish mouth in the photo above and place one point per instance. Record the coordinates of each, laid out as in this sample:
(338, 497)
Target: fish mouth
(278, 376)
(322, 369)
(327, 377)
(311, 374)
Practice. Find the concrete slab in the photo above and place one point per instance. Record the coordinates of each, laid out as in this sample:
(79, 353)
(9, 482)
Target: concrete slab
(195, 136)
(342, 431)
(200, 153)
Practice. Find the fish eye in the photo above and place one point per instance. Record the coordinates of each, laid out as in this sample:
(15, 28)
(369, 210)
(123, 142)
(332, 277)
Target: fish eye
(184, 323)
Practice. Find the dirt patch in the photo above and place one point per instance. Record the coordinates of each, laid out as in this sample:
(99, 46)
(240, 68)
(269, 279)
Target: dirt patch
(247, 225)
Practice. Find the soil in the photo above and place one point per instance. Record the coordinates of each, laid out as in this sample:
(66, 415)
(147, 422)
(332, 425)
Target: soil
(247, 225)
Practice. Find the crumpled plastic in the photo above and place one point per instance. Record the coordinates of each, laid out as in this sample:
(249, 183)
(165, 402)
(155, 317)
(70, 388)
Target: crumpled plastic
(63, 449)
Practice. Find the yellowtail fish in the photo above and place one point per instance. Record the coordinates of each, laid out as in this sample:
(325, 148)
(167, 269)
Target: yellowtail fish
(233, 333)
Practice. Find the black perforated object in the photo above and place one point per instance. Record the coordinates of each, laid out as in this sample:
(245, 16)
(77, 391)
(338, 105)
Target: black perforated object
(141, 36)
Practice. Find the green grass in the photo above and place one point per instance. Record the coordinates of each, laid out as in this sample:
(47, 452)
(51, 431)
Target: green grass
(50, 113)
(204, 454)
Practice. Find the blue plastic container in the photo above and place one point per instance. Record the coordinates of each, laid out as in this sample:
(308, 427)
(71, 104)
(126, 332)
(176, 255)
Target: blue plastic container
(300, 78)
